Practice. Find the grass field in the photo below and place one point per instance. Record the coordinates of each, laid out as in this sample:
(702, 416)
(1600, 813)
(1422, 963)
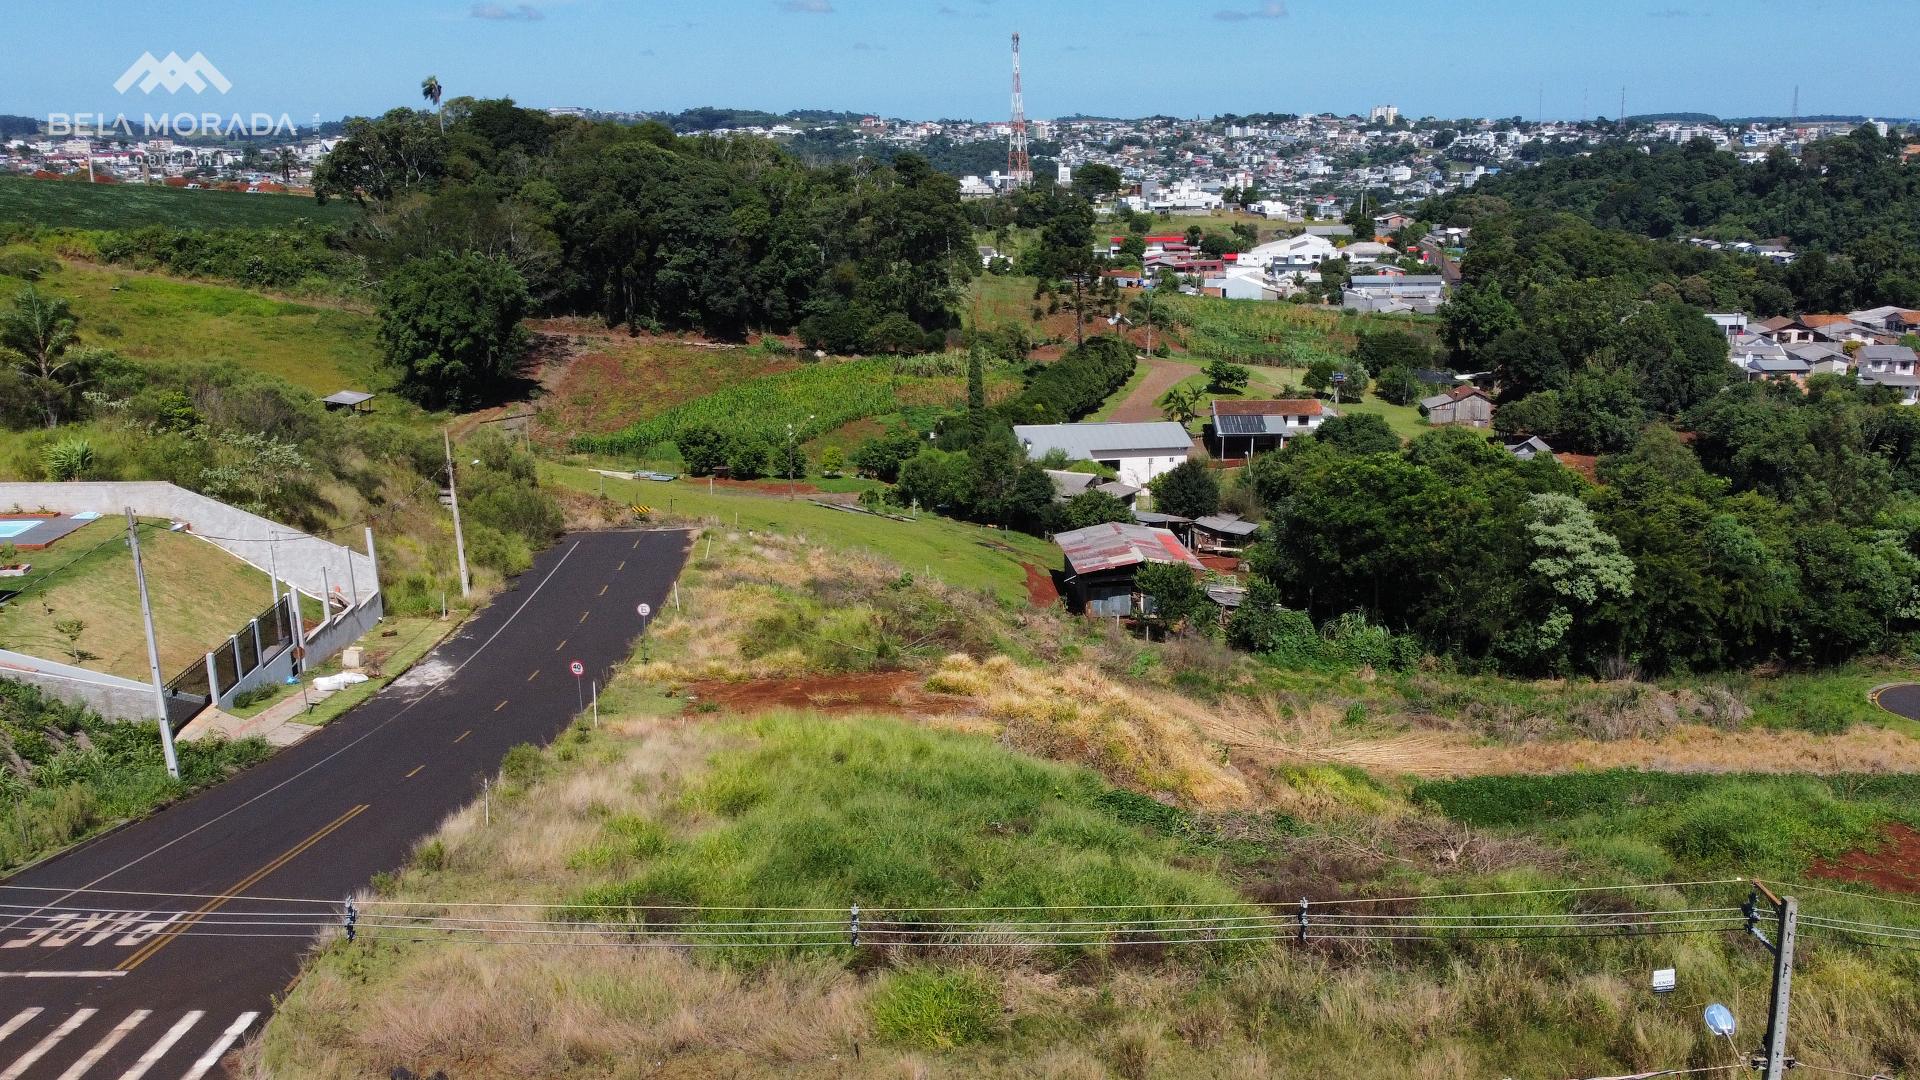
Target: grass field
(959, 554)
(69, 204)
(993, 806)
(148, 317)
(200, 595)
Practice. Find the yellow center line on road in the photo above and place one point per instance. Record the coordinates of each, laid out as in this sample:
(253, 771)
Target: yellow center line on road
(163, 939)
(622, 566)
(502, 705)
(636, 543)
(535, 673)
(469, 731)
(416, 769)
(562, 645)
(583, 616)
(603, 590)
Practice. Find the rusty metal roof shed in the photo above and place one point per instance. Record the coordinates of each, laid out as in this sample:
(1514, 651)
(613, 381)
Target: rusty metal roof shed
(1114, 546)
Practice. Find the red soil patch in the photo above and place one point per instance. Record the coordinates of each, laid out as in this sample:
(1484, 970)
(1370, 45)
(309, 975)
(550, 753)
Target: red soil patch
(885, 691)
(1144, 402)
(1893, 868)
(770, 487)
(1584, 464)
(1040, 590)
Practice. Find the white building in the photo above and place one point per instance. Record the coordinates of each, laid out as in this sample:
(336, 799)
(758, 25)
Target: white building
(1138, 452)
(1384, 114)
(1304, 252)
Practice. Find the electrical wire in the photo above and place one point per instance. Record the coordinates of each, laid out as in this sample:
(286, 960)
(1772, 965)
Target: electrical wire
(1798, 1064)
(1804, 887)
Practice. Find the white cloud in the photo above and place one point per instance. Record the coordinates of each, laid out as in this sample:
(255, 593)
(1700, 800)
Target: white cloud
(503, 13)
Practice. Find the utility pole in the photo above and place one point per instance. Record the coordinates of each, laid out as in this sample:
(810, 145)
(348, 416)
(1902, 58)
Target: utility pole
(153, 651)
(1773, 1055)
(453, 498)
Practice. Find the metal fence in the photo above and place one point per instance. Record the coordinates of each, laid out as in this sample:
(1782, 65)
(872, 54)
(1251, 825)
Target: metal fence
(261, 640)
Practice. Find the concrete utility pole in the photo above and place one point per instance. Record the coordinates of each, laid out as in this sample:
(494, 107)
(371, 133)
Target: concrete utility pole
(153, 651)
(459, 537)
(1773, 1055)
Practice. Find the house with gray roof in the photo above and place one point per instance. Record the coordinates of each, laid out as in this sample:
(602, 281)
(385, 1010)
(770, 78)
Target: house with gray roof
(1068, 484)
(1137, 452)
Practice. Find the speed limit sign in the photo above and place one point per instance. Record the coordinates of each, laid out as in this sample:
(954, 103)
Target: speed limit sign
(577, 668)
(645, 610)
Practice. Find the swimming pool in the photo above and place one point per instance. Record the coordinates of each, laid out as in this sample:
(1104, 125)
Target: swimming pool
(11, 529)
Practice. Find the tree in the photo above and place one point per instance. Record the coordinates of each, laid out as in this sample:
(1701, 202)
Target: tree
(1090, 508)
(833, 461)
(430, 89)
(882, 456)
(1359, 215)
(37, 336)
(379, 160)
(1213, 245)
(451, 324)
(1398, 385)
(1181, 403)
(71, 629)
(1358, 433)
(1188, 490)
(1227, 378)
(1576, 568)
(284, 160)
(1095, 180)
(702, 448)
(748, 457)
(1175, 597)
(1474, 316)
(1383, 349)
(1601, 410)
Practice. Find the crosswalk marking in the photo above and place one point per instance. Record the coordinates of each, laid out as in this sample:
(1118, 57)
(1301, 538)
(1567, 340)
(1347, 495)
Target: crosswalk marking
(90, 1058)
(220, 1045)
(159, 1050)
(18, 1022)
(19, 1067)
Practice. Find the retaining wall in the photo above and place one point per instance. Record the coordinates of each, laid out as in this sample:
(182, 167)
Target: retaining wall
(308, 563)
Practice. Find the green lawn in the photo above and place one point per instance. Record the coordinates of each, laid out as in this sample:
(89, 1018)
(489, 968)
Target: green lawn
(69, 204)
(967, 556)
(147, 317)
(200, 595)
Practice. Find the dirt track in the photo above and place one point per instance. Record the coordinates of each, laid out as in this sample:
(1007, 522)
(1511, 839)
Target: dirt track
(885, 691)
(1144, 402)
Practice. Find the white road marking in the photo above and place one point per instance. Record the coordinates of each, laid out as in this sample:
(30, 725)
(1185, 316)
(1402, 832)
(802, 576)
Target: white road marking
(93, 1056)
(18, 1022)
(220, 1045)
(61, 974)
(159, 1050)
(370, 733)
(26, 1061)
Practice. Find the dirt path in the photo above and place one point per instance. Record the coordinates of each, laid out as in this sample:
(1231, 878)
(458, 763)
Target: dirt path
(882, 691)
(1144, 402)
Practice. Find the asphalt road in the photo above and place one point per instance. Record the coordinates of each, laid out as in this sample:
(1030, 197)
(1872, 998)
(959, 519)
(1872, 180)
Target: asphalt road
(1903, 699)
(125, 958)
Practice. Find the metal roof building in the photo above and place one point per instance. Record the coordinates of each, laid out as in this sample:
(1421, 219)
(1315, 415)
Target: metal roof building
(1114, 546)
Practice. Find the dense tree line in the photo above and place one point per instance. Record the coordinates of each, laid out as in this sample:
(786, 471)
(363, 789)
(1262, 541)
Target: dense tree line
(652, 230)
(1523, 566)
(1849, 205)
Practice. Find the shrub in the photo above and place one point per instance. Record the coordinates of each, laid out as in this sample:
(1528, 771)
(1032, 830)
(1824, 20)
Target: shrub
(935, 1008)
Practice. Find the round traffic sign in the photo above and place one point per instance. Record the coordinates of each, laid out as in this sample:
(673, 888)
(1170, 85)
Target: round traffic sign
(645, 610)
(577, 668)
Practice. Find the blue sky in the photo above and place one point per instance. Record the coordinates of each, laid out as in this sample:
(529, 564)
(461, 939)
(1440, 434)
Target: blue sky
(948, 58)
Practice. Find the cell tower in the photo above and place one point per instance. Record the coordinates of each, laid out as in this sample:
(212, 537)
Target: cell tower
(1019, 167)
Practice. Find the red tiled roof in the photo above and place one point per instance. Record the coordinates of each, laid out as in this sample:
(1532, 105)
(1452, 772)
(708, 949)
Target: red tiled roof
(1285, 407)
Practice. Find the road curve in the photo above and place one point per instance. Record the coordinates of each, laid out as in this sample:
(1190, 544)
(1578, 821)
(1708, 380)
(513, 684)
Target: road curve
(128, 951)
(1901, 699)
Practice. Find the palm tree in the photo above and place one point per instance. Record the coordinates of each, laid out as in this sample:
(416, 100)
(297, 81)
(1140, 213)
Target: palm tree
(284, 160)
(38, 331)
(1181, 404)
(430, 89)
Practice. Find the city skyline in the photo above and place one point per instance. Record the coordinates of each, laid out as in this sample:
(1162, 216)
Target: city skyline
(947, 58)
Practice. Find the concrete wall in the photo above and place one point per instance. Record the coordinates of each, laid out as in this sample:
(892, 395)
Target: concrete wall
(310, 564)
(322, 642)
(109, 695)
(307, 563)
